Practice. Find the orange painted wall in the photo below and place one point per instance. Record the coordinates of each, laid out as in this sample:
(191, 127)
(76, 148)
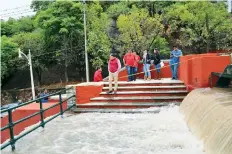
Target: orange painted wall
(24, 112)
(85, 93)
(195, 70)
(165, 72)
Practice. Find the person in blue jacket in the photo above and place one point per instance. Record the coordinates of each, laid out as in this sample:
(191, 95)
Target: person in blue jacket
(174, 61)
(45, 99)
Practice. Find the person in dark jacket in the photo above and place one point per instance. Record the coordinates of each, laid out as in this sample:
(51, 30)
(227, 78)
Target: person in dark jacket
(98, 75)
(156, 61)
(146, 65)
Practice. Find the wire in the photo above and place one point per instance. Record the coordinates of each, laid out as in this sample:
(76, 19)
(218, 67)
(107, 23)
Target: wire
(16, 12)
(159, 68)
(55, 51)
(14, 8)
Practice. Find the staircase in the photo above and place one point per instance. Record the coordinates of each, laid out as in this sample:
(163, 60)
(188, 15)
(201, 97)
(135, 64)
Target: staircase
(136, 95)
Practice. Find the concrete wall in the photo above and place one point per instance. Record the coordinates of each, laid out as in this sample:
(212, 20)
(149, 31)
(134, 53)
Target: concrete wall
(165, 72)
(86, 91)
(208, 113)
(195, 70)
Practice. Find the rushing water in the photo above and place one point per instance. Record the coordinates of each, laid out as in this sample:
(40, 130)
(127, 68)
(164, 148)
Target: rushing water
(104, 133)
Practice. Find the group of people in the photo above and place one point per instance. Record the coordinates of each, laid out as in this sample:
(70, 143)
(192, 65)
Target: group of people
(131, 60)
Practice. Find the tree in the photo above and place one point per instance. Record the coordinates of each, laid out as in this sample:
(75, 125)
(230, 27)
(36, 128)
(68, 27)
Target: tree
(8, 54)
(199, 25)
(35, 43)
(62, 22)
(13, 26)
(99, 44)
(137, 30)
(40, 5)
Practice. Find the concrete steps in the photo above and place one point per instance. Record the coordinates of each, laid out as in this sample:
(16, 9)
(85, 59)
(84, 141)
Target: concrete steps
(149, 83)
(146, 93)
(129, 111)
(147, 88)
(139, 99)
(134, 96)
(113, 105)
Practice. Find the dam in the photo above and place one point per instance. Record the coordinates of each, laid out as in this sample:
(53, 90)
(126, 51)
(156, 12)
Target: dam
(165, 116)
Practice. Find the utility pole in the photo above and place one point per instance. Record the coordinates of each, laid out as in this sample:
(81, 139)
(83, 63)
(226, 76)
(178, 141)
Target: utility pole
(86, 53)
(31, 71)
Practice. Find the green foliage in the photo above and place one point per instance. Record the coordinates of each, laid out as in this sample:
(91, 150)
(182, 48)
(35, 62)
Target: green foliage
(63, 26)
(99, 44)
(35, 43)
(8, 54)
(138, 30)
(12, 26)
(55, 35)
(117, 9)
(40, 5)
(199, 25)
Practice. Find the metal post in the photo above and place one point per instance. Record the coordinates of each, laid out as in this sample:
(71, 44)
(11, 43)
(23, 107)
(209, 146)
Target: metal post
(31, 72)
(229, 6)
(61, 107)
(86, 54)
(41, 113)
(11, 125)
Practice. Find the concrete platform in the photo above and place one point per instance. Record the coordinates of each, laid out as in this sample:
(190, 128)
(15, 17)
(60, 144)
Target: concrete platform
(139, 98)
(149, 87)
(139, 81)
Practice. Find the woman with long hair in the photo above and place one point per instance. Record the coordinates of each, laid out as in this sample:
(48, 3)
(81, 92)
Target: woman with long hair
(146, 65)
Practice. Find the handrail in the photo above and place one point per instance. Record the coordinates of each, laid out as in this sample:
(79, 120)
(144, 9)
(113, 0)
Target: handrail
(11, 124)
(32, 101)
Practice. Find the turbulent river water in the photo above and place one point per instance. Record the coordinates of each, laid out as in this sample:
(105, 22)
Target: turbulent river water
(113, 133)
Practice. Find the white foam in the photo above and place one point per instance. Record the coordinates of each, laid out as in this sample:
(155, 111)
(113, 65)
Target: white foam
(163, 133)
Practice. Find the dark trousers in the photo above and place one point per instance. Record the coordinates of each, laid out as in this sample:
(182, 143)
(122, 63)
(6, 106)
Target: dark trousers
(135, 72)
(130, 72)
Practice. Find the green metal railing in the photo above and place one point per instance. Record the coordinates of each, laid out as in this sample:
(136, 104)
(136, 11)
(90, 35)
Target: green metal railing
(11, 124)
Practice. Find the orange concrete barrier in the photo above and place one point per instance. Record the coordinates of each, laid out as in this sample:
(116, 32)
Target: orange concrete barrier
(84, 92)
(195, 70)
(25, 111)
(165, 72)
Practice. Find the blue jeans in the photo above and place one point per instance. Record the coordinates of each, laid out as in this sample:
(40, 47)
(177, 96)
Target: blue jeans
(157, 67)
(146, 68)
(174, 69)
(130, 72)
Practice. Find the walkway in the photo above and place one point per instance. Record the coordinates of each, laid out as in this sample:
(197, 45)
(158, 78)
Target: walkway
(162, 133)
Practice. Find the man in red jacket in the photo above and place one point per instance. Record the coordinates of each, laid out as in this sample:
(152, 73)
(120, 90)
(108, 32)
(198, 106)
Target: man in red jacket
(137, 59)
(114, 67)
(98, 75)
(129, 61)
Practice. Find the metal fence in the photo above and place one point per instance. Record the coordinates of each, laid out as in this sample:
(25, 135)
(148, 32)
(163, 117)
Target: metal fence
(11, 124)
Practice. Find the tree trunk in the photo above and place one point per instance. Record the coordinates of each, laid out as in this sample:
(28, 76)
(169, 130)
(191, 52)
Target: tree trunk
(207, 29)
(65, 59)
(39, 75)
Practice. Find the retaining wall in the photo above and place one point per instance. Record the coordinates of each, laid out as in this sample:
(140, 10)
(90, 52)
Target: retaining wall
(208, 113)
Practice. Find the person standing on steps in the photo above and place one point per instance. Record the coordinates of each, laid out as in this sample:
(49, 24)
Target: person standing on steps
(137, 59)
(114, 67)
(146, 65)
(129, 61)
(98, 75)
(157, 61)
(174, 62)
